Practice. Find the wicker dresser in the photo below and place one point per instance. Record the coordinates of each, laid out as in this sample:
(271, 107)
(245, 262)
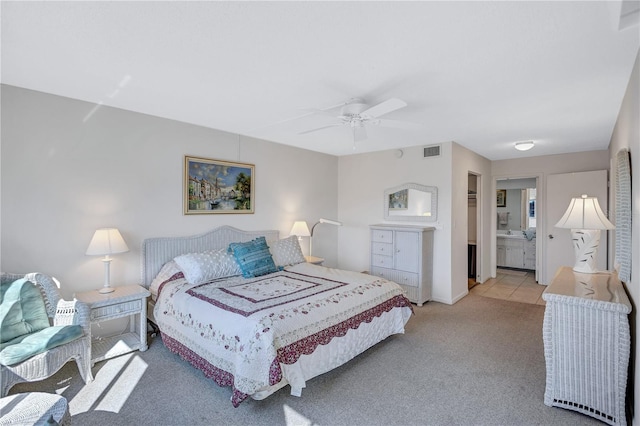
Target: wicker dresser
(587, 344)
(404, 254)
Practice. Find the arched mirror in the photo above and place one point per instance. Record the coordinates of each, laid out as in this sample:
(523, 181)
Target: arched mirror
(411, 202)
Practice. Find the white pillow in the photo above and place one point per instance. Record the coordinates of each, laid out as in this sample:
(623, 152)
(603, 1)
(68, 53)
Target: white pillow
(168, 270)
(287, 251)
(203, 267)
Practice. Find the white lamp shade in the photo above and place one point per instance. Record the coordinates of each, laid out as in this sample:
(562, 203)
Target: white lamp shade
(300, 229)
(584, 213)
(107, 241)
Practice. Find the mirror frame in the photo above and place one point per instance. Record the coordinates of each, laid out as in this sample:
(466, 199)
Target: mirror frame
(433, 190)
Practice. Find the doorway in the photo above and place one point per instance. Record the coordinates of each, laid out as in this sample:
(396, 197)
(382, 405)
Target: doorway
(472, 229)
(517, 224)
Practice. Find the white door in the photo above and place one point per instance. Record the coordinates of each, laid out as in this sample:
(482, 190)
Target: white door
(561, 188)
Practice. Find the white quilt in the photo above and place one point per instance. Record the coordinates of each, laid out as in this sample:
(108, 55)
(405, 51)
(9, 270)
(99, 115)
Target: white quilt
(247, 333)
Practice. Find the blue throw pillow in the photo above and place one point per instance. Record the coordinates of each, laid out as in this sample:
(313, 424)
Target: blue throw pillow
(253, 257)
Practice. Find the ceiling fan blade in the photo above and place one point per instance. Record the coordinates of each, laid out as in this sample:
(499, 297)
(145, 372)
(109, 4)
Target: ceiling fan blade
(320, 128)
(359, 134)
(320, 112)
(396, 124)
(385, 107)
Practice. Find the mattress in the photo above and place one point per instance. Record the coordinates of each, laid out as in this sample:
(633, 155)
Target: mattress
(260, 334)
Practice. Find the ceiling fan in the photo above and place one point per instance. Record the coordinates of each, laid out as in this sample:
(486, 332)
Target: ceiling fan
(357, 115)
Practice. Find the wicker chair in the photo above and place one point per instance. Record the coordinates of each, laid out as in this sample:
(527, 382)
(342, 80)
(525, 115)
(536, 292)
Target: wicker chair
(60, 312)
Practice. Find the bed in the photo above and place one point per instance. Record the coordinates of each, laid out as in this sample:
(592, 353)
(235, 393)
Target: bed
(260, 330)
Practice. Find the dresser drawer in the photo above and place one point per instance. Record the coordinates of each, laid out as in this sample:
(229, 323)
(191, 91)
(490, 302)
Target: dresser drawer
(382, 261)
(382, 236)
(385, 273)
(405, 278)
(384, 249)
(116, 310)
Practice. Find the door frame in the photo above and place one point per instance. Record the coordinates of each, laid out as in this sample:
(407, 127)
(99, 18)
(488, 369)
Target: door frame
(540, 220)
(479, 224)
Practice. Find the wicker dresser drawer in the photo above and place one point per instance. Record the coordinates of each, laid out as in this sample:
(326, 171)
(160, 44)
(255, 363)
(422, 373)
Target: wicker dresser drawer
(116, 310)
(382, 261)
(381, 236)
(404, 278)
(407, 278)
(382, 272)
(384, 249)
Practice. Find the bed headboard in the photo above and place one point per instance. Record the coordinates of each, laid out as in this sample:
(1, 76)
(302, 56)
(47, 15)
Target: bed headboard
(158, 251)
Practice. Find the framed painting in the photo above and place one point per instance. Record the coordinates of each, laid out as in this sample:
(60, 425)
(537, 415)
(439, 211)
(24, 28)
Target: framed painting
(217, 186)
(399, 200)
(501, 198)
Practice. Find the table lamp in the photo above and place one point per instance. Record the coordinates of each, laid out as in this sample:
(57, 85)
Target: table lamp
(300, 229)
(585, 219)
(107, 241)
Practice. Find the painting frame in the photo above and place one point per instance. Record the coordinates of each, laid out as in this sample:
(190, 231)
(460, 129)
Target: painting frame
(501, 198)
(214, 186)
(399, 200)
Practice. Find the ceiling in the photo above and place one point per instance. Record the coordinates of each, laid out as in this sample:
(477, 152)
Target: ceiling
(482, 74)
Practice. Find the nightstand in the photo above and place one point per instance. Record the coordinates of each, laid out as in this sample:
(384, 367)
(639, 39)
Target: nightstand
(314, 260)
(128, 300)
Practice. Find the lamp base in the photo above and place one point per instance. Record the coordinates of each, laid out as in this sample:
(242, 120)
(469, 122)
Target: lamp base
(585, 246)
(106, 290)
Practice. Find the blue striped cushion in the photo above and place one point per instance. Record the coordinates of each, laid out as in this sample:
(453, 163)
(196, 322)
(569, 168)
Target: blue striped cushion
(253, 257)
(38, 342)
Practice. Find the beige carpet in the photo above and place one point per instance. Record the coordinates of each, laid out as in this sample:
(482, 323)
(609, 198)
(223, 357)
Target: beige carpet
(478, 362)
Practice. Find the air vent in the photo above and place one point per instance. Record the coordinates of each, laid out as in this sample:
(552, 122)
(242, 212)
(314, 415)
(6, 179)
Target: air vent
(432, 151)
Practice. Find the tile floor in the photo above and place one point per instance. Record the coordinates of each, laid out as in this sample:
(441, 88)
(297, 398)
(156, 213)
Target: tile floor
(515, 285)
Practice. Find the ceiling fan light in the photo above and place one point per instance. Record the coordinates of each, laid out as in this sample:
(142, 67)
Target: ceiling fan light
(524, 146)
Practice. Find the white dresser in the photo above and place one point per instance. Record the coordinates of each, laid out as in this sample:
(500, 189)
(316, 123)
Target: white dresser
(587, 344)
(404, 254)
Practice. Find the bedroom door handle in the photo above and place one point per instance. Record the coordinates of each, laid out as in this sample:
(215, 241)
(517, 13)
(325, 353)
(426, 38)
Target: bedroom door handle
(551, 236)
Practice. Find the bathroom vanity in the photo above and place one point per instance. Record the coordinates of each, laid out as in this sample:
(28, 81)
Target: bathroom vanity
(515, 251)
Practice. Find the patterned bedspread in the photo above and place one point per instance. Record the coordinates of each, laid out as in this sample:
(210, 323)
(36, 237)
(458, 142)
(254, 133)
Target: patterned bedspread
(239, 331)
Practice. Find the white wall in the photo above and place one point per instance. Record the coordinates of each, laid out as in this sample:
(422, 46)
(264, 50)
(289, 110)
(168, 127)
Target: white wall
(363, 180)
(465, 161)
(626, 134)
(65, 174)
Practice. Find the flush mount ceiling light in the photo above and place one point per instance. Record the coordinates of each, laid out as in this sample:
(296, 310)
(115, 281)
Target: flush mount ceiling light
(524, 146)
